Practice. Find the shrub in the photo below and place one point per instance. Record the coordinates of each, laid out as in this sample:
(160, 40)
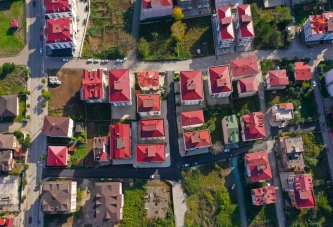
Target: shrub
(143, 48)
(322, 202)
(15, 171)
(40, 182)
(177, 13)
(27, 141)
(178, 31)
(43, 80)
(43, 104)
(46, 94)
(28, 105)
(23, 197)
(26, 166)
(27, 116)
(25, 182)
(42, 157)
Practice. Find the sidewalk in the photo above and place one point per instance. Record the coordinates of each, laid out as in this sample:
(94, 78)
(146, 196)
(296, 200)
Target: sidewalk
(178, 206)
(12, 127)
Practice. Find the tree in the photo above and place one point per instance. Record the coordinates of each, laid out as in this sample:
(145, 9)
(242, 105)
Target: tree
(266, 16)
(23, 197)
(6, 68)
(290, 68)
(125, 44)
(40, 182)
(27, 141)
(178, 30)
(178, 13)
(15, 171)
(143, 48)
(322, 202)
(46, 94)
(43, 80)
(216, 148)
(282, 14)
(42, 157)
(275, 38)
(25, 182)
(26, 166)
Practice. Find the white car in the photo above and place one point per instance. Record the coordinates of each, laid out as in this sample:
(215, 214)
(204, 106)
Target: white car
(65, 59)
(226, 150)
(313, 83)
(233, 186)
(89, 60)
(105, 70)
(152, 176)
(104, 61)
(119, 60)
(96, 61)
(186, 165)
(125, 59)
(41, 50)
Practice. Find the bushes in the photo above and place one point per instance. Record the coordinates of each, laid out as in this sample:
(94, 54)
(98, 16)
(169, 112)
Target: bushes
(46, 94)
(143, 48)
(266, 65)
(27, 141)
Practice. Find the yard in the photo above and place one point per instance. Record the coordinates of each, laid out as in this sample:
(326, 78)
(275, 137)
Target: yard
(12, 40)
(98, 111)
(108, 22)
(246, 105)
(14, 80)
(209, 202)
(198, 35)
(76, 158)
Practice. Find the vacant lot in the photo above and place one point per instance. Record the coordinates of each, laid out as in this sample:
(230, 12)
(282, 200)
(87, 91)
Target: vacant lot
(65, 98)
(13, 82)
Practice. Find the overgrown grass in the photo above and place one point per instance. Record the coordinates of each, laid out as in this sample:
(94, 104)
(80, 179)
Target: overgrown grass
(246, 105)
(13, 82)
(77, 157)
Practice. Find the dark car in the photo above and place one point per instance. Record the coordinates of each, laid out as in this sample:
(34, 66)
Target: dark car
(30, 220)
(33, 3)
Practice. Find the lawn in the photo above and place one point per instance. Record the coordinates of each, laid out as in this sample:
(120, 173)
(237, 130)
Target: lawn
(76, 159)
(209, 203)
(12, 41)
(246, 105)
(13, 82)
(198, 35)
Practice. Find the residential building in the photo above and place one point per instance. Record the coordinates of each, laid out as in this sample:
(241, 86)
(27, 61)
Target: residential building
(93, 86)
(6, 222)
(186, 4)
(156, 8)
(57, 156)
(219, 83)
(244, 25)
(302, 72)
(149, 105)
(6, 161)
(225, 28)
(301, 191)
(8, 142)
(252, 125)
(148, 80)
(120, 87)
(58, 127)
(329, 82)
(319, 28)
(58, 197)
(244, 67)
(203, 4)
(191, 89)
(292, 150)
(283, 112)
(230, 129)
(263, 196)
(56, 9)
(257, 166)
(152, 129)
(101, 149)
(247, 87)
(276, 79)
(61, 33)
(192, 119)
(197, 140)
(150, 153)
(9, 106)
(109, 202)
(120, 141)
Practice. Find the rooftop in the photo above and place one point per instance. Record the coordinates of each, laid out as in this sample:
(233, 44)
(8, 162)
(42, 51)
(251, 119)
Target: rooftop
(248, 84)
(302, 71)
(57, 6)
(147, 4)
(59, 30)
(257, 166)
(321, 24)
(197, 139)
(244, 66)
(191, 85)
(56, 126)
(7, 141)
(100, 148)
(8, 106)
(120, 146)
(148, 78)
(283, 111)
(150, 153)
(119, 85)
(192, 118)
(292, 144)
(263, 196)
(152, 128)
(149, 102)
(254, 126)
(245, 21)
(6, 161)
(278, 78)
(304, 197)
(220, 79)
(92, 84)
(226, 24)
(230, 126)
(57, 156)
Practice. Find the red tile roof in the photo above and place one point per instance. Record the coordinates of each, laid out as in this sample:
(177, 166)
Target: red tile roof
(302, 71)
(258, 165)
(248, 84)
(197, 139)
(286, 106)
(14, 23)
(57, 6)
(6, 222)
(92, 84)
(150, 153)
(148, 78)
(226, 23)
(278, 78)
(304, 191)
(59, 30)
(192, 118)
(56, 126)
(120, 143)
(57, 156)
(147, 4)
(152, 128)
(149, 103)
(220, 79)
(191, 85)
(254, 126)
(263, 196)
(119, 85)
(244, 66)
(245, 21)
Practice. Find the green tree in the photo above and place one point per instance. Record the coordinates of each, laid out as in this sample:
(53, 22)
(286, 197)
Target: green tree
(178, 30)
(23, 197)
(178, 13)
(42, 157)
(46, 94)
(266, 16)
(25, 182)
(43, 80)
(126, 43)
(282, 14)
(275, 38)
(6, 68)
(40, 182)
(27, 141)
(143, 48)
(322, 202)
(290, 68)
(26, 166)
(15, 171)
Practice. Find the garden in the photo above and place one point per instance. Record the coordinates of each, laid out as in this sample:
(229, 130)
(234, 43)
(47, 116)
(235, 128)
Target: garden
(245, 105)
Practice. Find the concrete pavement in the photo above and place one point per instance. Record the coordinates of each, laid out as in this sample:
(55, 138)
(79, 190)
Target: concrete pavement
(179, 204)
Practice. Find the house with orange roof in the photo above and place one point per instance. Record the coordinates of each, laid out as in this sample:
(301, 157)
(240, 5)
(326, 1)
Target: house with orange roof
(276, 79)
(263, 196)
(148, 80)
(244, 25)
(156, 8)
(252, 125)
(150, 153)
(120, 92)
(301, 191)
(247, 87)
(149, 105)
(197, 140)
(191, 87)
(319, 28)
(225, 27)
(283, 112)
(244, 67)
(152, 129)
(120, 141)
(257, 166)
(302, 72)
(101, 150)
(57, 156)
(93, 87)
(219, 82)
(192, 119)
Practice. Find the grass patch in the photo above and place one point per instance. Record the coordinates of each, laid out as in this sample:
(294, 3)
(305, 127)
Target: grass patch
(246, 105)
(76, 159)
(13, 82)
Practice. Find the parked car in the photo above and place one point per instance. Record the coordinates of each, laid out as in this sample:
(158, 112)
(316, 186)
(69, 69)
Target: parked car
(85, 21)
(104, 61)
(233, 186)
(226, 150)
(119, 60)
(186, 165)
(125, 59)
(96, 61)
(152, 176)
(65, 59)
(313, 83)
(89, 60)
(30, 220)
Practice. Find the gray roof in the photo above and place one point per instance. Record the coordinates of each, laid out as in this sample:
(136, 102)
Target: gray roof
(8, 106)
(5, 163)
(6, 141)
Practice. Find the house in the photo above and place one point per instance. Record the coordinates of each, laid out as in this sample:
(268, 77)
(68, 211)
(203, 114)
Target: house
(225, 27)
(257, 166)
(120, 87)
(328, 81)
(148, 80)
(56, 9)
(247, 87)
(14, 24)
(8, 142)
(150, 153)
(191, 87)
(301, 191)
(58, 197)
(57, 156)
(230, 129)
(263, 196)
(9, 106)
(6, 161)
(244, 67)
(58, 127)
(219, 83)
(109, 202)
(149, 105)
(152, 129)
(93, 86)
(101, 149)
(197, 140)
(302, 72)
(203, 4)
(186, 4)
(120, 141)
(276, 79)
(244, 25)
(156, 8)
(192, 119)
(252, 125)
(319, 28)
(292, 150)
(61, 33)
(283, 112)
(6, 222)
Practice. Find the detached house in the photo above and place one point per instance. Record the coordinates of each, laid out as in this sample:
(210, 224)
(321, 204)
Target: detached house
(319, 28)
(120, 141)
(6, 161)
(9, 106)
(253, 126)
(149, 105)
(301, 191)
(150, 153)
(149, 80)
(219, 83)
(191, 89)
(244, 25)
(247, 87)
(55, 9)
(57, 156)
(101, 149)
(302, 72)
(257, 166)
(244, 67)
(156, 8)
(263, 196)
(230, 129)
(120, 87)
(192, 119)
(8, 142)
(93, 86)
(152, 129)
(58, 127)
(225, 27)
(197, 140)
(283, 112)
(276, 79)
(292, 150)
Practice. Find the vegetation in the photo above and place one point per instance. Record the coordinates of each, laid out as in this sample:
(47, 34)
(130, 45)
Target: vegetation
(79, 194)
(216, 147)
(40, 182)
(322, 69)
(46, 94)
(23, 197)
(19, 136)
(26, 142)
(77, 157)
(42, 157)
(302, 15)
(26, 166)
(246, 105)
(15, 171)
(24, 181)
(12, 78)
(43, 80)
(177, 13)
